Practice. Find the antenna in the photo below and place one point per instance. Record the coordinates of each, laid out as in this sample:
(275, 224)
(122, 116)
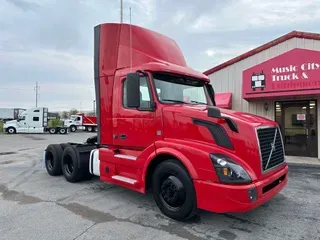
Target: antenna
(121, 11)
(130, 43)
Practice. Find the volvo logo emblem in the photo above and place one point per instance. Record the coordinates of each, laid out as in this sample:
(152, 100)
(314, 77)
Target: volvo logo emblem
(273, 147)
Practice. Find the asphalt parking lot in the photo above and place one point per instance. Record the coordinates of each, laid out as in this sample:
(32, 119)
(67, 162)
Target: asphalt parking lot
(34, 205)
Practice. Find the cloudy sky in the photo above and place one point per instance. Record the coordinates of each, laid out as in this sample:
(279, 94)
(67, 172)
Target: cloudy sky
(50, 41)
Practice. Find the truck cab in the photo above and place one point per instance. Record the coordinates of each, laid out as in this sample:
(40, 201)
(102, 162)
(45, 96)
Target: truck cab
(32, 120)
(160, 130)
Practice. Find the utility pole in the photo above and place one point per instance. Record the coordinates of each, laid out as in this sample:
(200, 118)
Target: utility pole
(121, 11)
(36, 88)
(94, 107)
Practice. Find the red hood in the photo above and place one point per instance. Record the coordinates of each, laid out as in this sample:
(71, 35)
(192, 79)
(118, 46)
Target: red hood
(201, 111)
(187, 122)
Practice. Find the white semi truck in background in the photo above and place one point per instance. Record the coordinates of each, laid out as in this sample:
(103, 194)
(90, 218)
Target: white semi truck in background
(33, 120)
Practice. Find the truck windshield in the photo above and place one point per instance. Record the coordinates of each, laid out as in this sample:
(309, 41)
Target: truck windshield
(179, 89)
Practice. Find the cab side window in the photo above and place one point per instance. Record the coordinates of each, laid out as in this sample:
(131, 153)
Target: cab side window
(144, 94)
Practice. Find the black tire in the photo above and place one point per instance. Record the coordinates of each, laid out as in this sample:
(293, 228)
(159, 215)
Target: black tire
(73, 128)
(168, 177)
(53, 159)
(62, 131)
(71, 165)
(90, 129)
(52, 131)
(64, 145)
(11, 130)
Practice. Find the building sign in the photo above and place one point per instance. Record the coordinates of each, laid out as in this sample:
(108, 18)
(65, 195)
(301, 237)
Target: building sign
(296, 72)
(301, 117)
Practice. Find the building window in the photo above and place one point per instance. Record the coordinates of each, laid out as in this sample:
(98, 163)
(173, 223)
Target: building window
(36, 119)
(144, 93)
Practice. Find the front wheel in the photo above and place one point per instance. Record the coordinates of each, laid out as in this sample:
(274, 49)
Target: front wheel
(11, 130)
(173, 191)
(73, 128)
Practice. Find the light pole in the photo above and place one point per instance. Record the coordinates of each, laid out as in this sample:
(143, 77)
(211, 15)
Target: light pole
(94, 107)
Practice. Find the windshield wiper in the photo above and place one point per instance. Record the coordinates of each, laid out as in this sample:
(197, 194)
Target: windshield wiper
(198, 102)
(172, 100)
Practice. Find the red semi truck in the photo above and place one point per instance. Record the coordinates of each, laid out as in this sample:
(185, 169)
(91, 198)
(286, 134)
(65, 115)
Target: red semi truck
(160, 129)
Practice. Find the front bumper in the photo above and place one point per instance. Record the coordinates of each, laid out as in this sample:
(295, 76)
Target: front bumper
(222, 198)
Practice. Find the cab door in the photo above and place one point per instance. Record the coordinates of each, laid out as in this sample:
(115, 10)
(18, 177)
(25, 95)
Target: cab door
(133, 128)
(78, 120)
(22, 126)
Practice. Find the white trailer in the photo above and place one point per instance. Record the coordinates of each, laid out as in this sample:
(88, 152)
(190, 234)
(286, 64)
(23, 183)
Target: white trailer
(10, 113)
(33, 120)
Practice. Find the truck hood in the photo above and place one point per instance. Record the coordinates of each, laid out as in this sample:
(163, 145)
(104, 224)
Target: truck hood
(191, 123)
(10, 123)
(201, 111)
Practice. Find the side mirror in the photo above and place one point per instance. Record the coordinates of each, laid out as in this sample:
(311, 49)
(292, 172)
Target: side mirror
(133, 90)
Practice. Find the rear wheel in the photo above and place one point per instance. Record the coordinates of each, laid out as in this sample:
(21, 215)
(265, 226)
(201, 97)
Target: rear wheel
(71, 168)
(62, 131)
(173, 190)
(52, 131)
(64, 145)
(73, 128)
(53, 156)
(89, 129)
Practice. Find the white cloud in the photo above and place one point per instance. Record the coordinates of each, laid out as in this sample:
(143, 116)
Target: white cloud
(214, 56)
(76, 84)
(55, 96)
(146, 13)
(244, 14)
(80, 65)
(178, 17)
(232, 50)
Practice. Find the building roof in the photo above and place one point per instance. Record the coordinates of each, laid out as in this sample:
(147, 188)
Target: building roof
(293, 34)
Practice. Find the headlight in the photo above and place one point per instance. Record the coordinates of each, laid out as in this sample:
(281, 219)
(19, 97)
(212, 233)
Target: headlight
(229, 171)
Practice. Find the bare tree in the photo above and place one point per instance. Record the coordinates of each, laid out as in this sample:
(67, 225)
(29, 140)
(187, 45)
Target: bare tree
(64, 114)
(73, 111)
(90, 114)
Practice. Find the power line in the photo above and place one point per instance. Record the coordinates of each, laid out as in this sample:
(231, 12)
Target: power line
(37, 88)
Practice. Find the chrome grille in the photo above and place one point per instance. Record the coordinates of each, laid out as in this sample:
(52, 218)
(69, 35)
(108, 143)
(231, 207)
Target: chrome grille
(271, 147)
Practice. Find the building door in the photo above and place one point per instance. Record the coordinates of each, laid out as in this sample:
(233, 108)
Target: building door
(298, 122)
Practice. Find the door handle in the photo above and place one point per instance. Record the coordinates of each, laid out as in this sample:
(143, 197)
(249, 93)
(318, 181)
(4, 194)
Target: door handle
(123, 136)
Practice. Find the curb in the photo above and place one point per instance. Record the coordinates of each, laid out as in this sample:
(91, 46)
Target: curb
(305, 165)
